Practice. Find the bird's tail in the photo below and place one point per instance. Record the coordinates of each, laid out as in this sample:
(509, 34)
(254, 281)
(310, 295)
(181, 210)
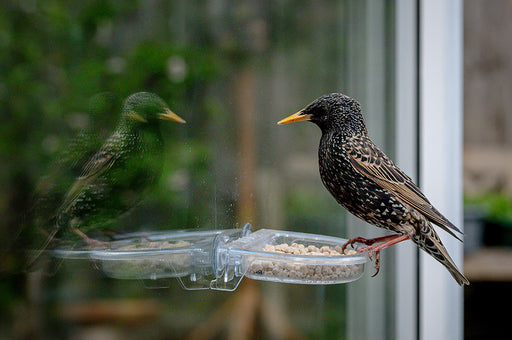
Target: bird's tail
(431, 243)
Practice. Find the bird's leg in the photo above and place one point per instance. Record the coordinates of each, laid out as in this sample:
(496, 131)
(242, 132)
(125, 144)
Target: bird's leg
(111, 232)
(367, 241)
(371, 249)
(90, 241)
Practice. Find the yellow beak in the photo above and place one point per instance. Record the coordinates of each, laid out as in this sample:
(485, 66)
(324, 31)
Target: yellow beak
(296, 117)
(169, 115)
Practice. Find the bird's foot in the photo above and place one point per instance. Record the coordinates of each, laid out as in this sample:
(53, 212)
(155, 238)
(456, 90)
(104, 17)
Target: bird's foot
(367, 241)
(375, 249)
(91, 243)
(355, 240)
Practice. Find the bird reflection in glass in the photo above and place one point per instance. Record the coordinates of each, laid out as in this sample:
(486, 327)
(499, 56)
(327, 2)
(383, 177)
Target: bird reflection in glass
(114, 178)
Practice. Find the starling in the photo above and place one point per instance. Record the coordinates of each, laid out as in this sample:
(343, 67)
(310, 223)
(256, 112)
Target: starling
(69, 161)
(369, 185)
(114, 178)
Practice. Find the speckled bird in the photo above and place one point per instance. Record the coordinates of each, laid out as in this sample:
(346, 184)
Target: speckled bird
(114, 179)
(68, 162)
(369, 185)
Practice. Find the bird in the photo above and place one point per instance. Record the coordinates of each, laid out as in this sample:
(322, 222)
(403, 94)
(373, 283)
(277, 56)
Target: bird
(114, 179)
(369, 185)
(68, 162)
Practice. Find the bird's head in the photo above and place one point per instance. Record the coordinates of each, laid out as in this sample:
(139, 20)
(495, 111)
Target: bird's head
(333, 111)
(147, 108)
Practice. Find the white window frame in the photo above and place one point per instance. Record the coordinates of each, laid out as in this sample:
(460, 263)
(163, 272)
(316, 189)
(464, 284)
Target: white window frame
(441, 95)
(419, 299)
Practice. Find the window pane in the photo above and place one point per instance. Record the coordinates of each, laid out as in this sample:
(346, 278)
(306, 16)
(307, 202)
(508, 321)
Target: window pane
(231, 69)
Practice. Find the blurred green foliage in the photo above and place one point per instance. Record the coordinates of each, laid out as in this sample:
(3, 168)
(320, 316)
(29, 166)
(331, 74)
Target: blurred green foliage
(56, 55)
(496, 207)
(62, 63)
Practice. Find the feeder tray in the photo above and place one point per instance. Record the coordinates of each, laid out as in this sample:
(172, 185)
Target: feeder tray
(219, 259)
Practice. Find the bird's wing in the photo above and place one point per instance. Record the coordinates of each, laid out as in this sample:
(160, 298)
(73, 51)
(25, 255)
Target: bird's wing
(371, 162)
(99, 163)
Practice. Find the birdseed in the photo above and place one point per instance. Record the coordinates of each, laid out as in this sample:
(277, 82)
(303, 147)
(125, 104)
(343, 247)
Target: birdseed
(306, 273)
(150, 267)
(144, 244)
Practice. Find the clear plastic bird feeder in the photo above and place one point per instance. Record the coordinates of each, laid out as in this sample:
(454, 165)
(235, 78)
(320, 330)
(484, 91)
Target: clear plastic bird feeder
(219, 259)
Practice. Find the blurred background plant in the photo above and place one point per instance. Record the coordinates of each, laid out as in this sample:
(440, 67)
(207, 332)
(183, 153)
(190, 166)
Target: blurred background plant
(495, 214)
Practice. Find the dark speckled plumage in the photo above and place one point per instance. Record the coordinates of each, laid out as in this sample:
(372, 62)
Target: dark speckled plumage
(115, 177)
(368, 184)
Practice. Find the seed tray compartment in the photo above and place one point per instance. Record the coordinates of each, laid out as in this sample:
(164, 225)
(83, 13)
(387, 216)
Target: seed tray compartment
(149, 256)
(161, 255)
(259, 256)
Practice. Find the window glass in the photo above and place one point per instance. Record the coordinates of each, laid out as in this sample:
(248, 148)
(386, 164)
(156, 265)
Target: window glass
(231, 69)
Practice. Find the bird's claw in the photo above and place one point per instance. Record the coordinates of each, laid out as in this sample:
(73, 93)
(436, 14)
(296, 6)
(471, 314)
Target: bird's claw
(352, 241)
(92, 243)
(371, 252)
(377, 263)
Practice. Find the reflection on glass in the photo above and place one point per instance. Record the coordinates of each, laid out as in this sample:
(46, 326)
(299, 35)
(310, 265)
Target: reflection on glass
(113, 180)
(231, 70)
